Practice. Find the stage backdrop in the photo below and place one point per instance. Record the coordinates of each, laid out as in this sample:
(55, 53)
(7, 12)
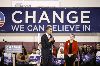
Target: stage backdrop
(63, 20)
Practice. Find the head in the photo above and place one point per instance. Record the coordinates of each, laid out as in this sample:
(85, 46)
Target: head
(39, 46)
(62, 51)
(88, 48)
(49, 29)
(61, 45)
(80, 47)
(84, 45)
(97, 46)
(37, 51)
(24, 50)
(34, 51)
(72, 36)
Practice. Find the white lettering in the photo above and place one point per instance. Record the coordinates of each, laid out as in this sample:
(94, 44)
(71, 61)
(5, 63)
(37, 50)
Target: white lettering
(31, 17)
(17, 27)
(44, 18)
(74, 17)
(13, 15)
(60, 18)
(84, 17)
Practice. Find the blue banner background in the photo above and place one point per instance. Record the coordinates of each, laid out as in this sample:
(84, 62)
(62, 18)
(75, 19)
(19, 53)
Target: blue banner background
(94, 18)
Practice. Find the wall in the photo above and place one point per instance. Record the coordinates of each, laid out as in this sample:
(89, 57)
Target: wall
(80, 3)
(5, 3)
(62, 37)
(62, 3)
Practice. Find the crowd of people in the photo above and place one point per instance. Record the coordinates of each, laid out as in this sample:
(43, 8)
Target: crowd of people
(87, 54)
(67, 54)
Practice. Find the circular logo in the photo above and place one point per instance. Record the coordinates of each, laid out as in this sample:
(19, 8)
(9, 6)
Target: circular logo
(2, 19)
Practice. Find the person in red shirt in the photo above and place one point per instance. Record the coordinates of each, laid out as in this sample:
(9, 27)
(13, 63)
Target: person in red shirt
(70, 50)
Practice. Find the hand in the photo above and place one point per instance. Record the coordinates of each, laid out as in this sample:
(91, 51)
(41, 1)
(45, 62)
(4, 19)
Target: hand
(51, 39)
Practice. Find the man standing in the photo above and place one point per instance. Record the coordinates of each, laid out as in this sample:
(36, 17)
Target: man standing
(47, 41)
(70, 50)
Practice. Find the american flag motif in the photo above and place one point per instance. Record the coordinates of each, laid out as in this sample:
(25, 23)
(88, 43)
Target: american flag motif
(2, 19)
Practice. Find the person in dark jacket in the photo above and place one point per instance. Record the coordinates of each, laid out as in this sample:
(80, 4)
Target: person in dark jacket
(47, 41)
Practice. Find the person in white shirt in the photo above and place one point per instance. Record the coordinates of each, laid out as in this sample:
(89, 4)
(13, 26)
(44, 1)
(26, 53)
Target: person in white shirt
(61, 48)
(60, 53)
(39, 47)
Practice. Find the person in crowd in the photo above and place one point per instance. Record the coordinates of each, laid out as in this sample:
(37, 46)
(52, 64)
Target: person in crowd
(22, 57)
(39, 47)
(70, 50)
(2, 55)
(38, 52)
(92, 52)
(84, 49)
(83, 53)
(61, 48)
(47, 40)
(60, 53)
(36, 57)
(33, 51)
(97, 48)
(80, 53)
(97, 51)
(88, 55)
(54, 51)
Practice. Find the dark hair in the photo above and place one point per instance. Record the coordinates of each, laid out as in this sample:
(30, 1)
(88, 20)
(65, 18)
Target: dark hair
(84, 44)
(37, 49)
(73, 34)
(48, 27)
(24, 50)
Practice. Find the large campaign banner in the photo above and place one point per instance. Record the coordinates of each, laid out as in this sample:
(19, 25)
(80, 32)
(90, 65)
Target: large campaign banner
(62, 19)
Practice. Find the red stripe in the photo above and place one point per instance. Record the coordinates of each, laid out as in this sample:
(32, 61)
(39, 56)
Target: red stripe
(1, 24)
